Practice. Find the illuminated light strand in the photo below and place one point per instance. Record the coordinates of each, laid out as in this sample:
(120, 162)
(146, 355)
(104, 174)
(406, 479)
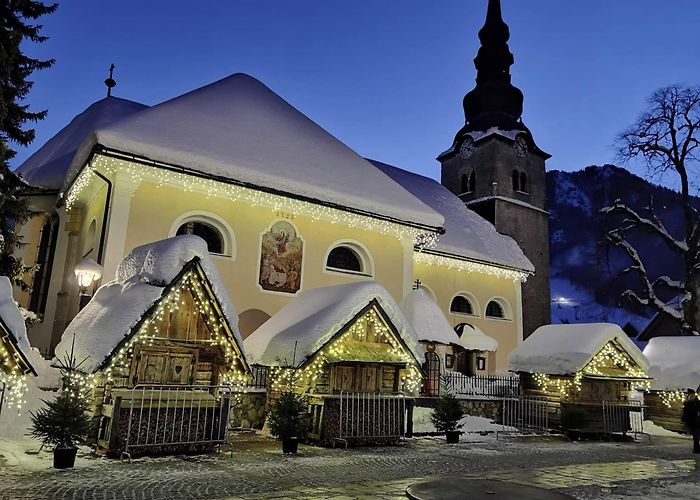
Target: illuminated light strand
(430, 259)
(212, 188)
(15, 381)
(668, 398)
(607, 357)
(285, 378)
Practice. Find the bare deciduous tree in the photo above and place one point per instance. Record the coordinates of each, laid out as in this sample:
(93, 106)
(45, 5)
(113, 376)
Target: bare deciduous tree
(667, 139)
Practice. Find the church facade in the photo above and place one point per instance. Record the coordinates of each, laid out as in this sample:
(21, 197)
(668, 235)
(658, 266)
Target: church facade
(285, 208)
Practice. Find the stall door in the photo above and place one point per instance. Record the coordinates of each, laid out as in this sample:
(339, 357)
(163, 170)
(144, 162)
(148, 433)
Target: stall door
(180, 368)
(431, 382)
(152, 367)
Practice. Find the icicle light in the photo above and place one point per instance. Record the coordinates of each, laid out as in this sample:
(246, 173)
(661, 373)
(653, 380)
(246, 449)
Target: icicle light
(468, 266)
(212, 188)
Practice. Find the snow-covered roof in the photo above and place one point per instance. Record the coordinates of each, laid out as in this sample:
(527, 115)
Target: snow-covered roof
(474, 339)
(314, 317)
(467, 234)
(141, 279)
(567, 348)
(431, 325)
(674, 362)
(48, 166)
(238, 129)
(12, 319)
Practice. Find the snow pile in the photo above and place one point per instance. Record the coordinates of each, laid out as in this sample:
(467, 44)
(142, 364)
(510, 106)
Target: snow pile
(427, 318)
(423, 424)
(674, 362)
(239, 129)
(565, 349)
(12, 317)
(467, 234)
(47, 167)
(312, 319)
(140, 281)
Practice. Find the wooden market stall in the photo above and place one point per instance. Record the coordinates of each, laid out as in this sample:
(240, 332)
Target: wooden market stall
(674, 365)
(351, 350)
(159, 345)
(578, 369)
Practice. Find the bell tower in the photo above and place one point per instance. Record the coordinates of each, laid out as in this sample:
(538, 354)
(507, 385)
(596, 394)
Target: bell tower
(496, 168)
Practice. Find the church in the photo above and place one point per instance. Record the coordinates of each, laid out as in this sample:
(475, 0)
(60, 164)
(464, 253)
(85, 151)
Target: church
(287, 209)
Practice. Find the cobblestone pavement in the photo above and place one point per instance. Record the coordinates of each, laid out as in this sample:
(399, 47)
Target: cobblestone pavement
(256, 469)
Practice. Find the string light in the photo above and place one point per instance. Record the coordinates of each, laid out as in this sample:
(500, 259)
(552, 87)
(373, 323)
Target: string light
(608, 357)
(431, 259)
(669, 398)
(369, 325)
(12, 376)
(150, 328)
(212, 188)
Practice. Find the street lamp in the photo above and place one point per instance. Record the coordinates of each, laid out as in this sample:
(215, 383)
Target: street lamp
(87, 272)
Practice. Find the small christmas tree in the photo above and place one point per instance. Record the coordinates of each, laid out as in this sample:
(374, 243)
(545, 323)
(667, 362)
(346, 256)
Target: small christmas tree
(289, 416)
(63, 423)
(447, 414)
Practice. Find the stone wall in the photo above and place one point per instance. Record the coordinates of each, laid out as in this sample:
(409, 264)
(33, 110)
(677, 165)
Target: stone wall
(249, 412)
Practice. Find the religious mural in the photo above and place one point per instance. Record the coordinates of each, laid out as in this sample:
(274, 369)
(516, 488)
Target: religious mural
(281, 255)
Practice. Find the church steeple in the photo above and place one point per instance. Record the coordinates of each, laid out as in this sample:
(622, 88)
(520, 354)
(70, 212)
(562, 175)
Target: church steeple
(494, 102)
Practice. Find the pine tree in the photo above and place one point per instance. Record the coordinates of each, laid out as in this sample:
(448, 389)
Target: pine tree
(15, 69)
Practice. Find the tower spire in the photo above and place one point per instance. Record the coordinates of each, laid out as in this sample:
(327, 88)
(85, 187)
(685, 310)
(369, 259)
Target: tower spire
(494, 102)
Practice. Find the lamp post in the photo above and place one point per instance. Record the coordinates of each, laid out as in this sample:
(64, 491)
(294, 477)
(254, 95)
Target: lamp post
(87, 272)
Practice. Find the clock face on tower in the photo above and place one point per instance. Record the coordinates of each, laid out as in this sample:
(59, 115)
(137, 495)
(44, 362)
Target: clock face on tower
(467, 148)
(520, 146)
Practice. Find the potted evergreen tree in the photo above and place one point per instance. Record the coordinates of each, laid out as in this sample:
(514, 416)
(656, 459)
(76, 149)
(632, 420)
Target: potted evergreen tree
(63, 424)
(289, 420)
(446, 416)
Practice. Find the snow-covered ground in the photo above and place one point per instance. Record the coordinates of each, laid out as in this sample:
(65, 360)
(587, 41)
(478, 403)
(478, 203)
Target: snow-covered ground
(469, 423)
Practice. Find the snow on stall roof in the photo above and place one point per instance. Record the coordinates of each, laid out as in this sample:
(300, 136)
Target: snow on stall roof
(48, 166)
(565, 349)
(314, 317)
(239, 129)
(140, 281)
(12, 317)
(467, 234)
(474, 339)
(674, 362)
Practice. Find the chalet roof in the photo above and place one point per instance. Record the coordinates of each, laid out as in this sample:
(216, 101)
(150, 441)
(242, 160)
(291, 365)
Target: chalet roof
(467, 234)
(313, 318)
(431, 325)
(566, 349)
(142, 279)
(239, 129)
(48, 166)
(674, 363)
(13, 333)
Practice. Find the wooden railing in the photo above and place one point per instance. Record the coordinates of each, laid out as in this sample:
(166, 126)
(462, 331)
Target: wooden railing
(260, 374)
(497, 386)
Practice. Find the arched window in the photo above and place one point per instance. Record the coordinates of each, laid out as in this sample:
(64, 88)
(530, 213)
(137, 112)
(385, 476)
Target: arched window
(465, 184)
(44, 261)
(343, 258)
(207, 232)
(461, 305)
(516, 181)
(494, 310)
(472, 181)
(523, 182)
(349, 258)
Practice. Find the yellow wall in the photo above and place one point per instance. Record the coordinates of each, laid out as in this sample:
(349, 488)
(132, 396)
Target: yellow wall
(161, 207)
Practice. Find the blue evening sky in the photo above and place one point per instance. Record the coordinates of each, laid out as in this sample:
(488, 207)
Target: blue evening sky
(386, 77)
